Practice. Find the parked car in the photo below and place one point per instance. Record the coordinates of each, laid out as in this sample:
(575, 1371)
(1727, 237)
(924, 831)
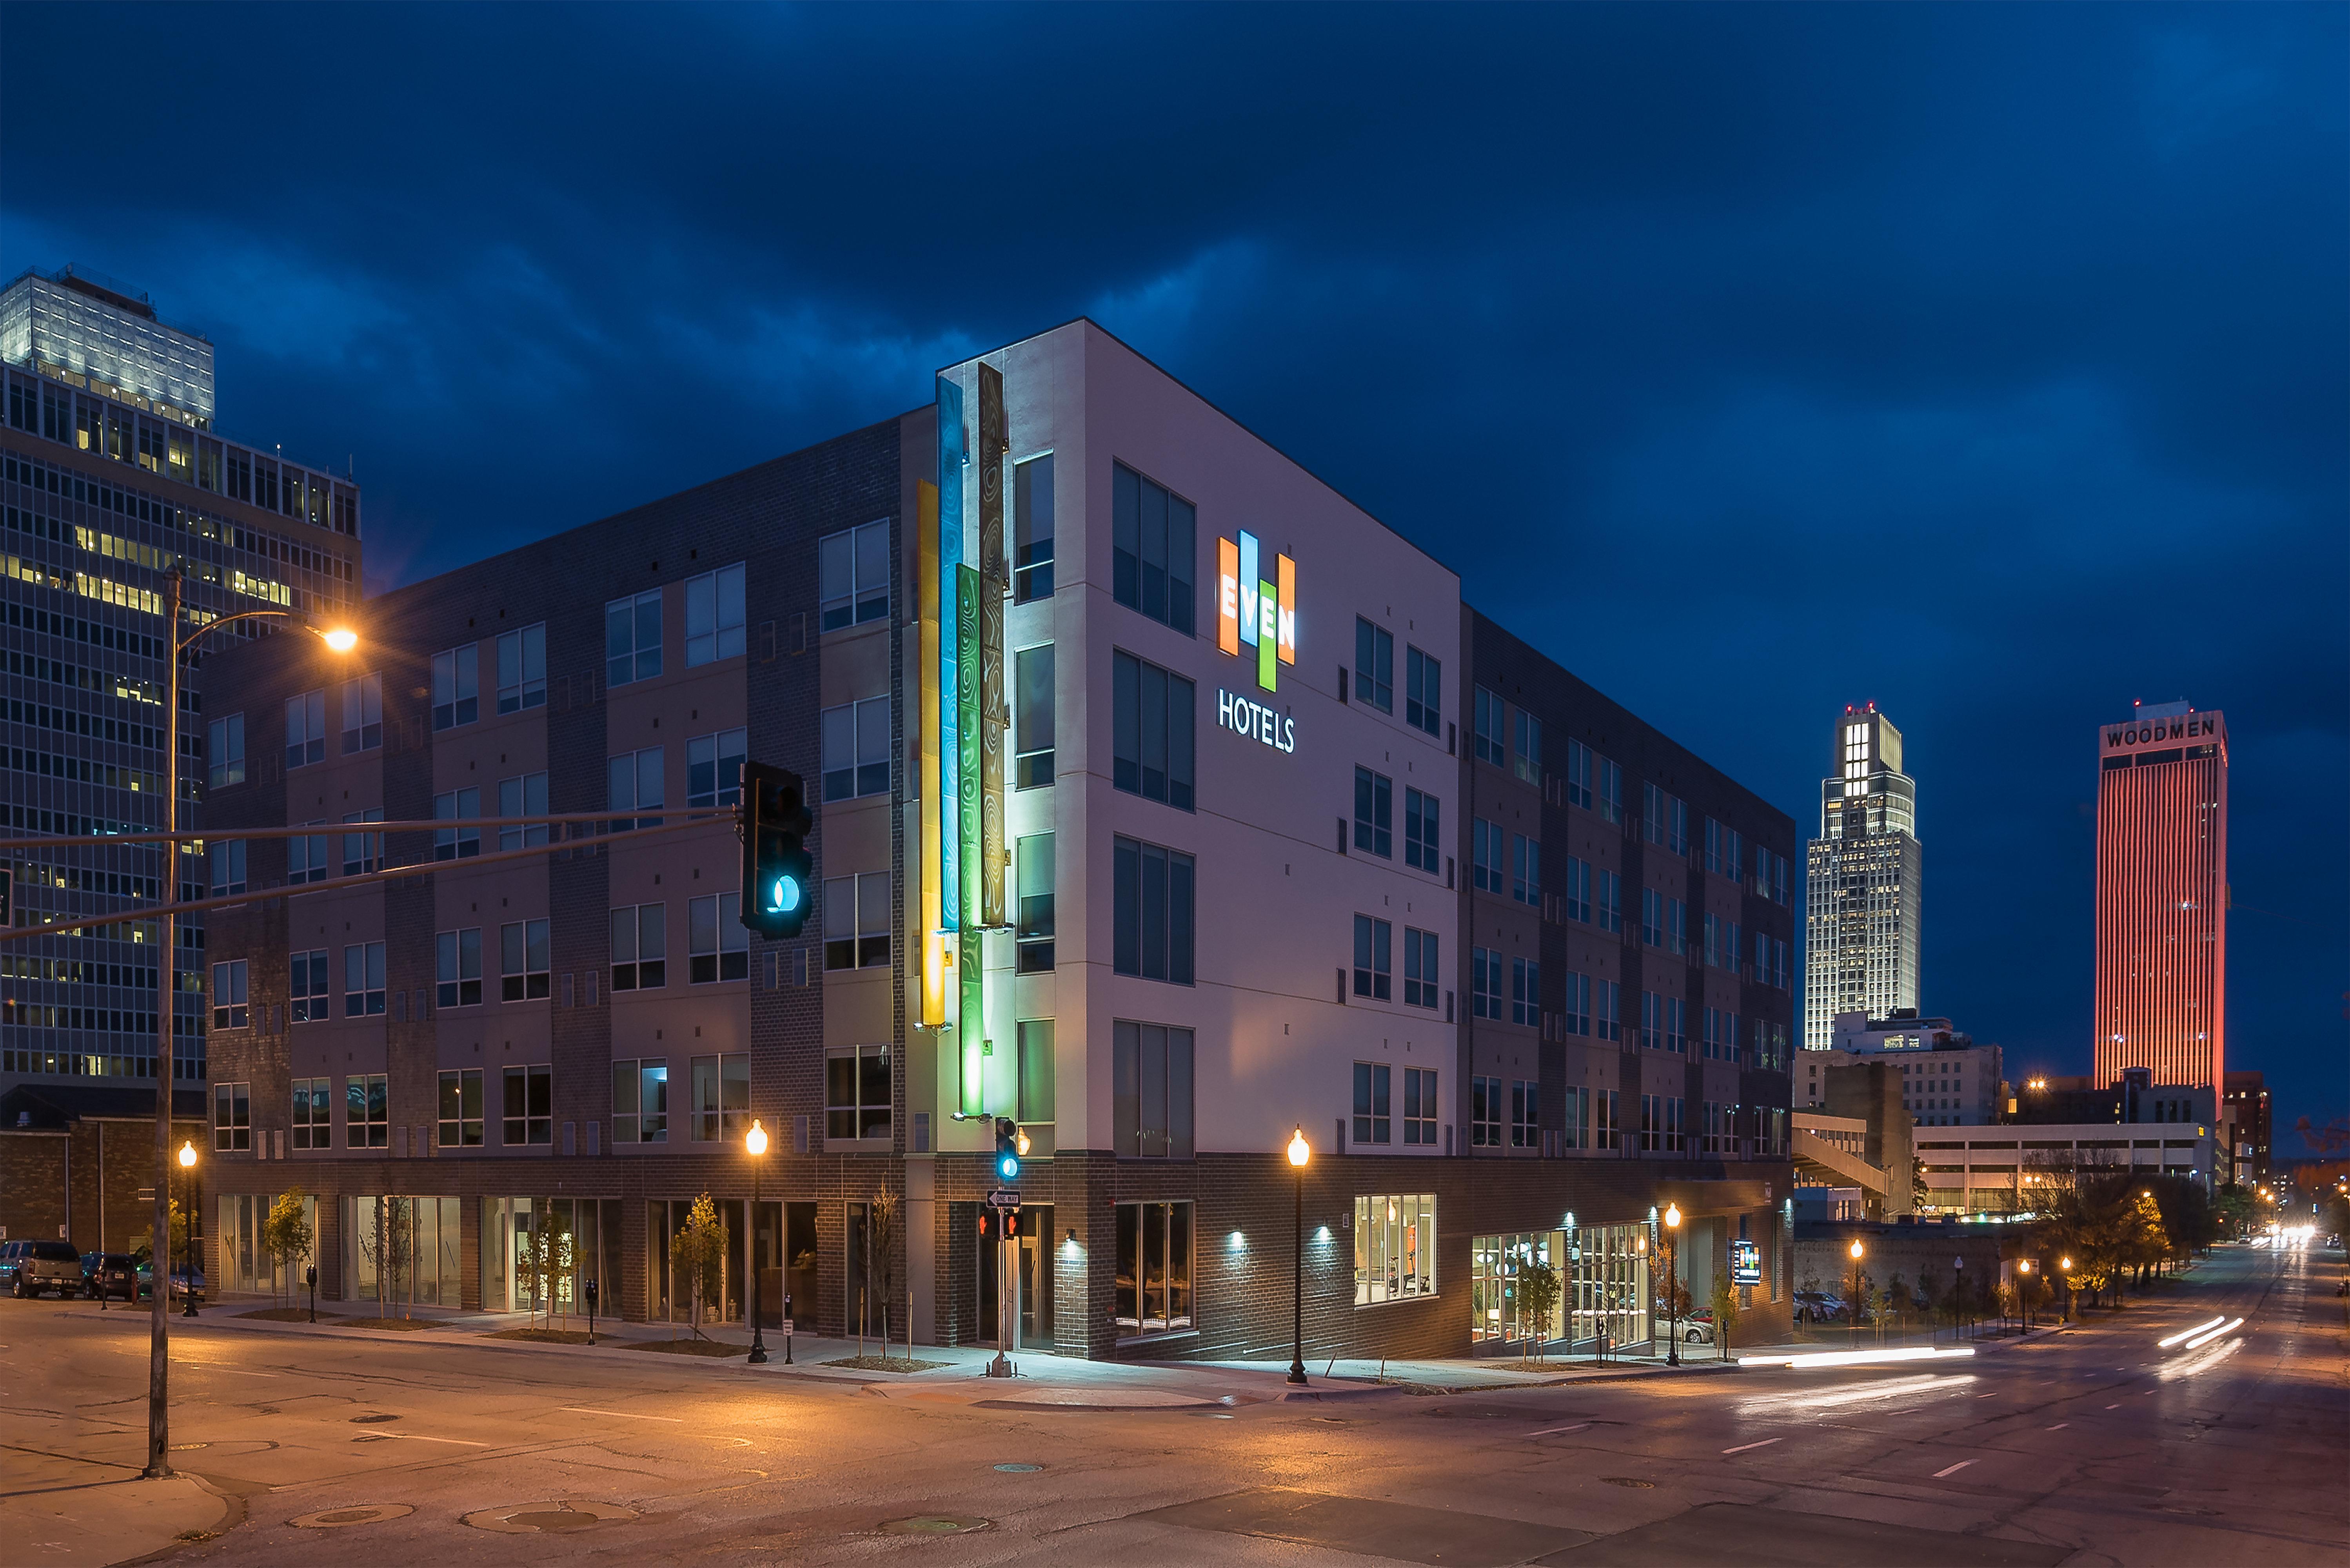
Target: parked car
(1697, 1328)
(31, 1268)
(1819, 1306)
(113, 1275)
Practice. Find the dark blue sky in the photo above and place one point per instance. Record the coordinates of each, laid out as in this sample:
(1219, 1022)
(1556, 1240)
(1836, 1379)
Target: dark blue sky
(1985, 362)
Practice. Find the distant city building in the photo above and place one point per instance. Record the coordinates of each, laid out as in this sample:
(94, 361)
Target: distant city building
(1863, 898)
(97, 335)
(1946, 1080)
(2245, 1108)
(2162, 896)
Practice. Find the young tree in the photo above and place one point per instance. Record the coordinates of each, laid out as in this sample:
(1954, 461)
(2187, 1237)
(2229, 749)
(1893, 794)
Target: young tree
(397, 1236)
(880, 1256)
(698, 1256)
(1725, 1312)
(286, 1234)
(1538, 1294)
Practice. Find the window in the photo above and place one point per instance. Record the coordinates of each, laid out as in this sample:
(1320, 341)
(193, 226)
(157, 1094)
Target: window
(1032, 529)
(1154, 1268)
(1525, 1112)
(1578, 774)
(461, 1108)
(306, 859)
(1652, 1028)
(457, 968)
(224, 751)
(1373, 664)
(306, 729)
(856, 920)
(1732, 947)
(1485, 854)
(1484, 1113)
(1607, 1010)
(1033, 1038)
(1611, 790)
(457, 843)
(530, 1107)
(522, 961)
(1611, 902)
(1606, 1124)
(853, 576)
(1423, 692)
(1151, 731)
(1652, 813)
(1488, 742)
(1373, 1123)
(1575, 1131)
(362, 852)
(1578, 896)
(714, 616)
(1031, 717)
(524, 795)
(640, 1102)
(857, 1092)
(367, 1112)
(305, 987)
(313, 1111)
(231, 1117)
(633, 781)
(1152, 550)
(1421, 978)
(857, 749)
(1677, 825)
(1677, 926)
(718, 948)
(226, 859)
(363, 980)
(363, 713)
(229, 1007)
(456, 687)
(1525, 869)
(1150, 1091)
(713, 767)
(1530, 764)
(639, 947)
(1151, 889)
(1770, 875)
(1419, 1107)
(1525, 992)
(522, 669)
(1676, 1026)
(1373, 970)
(1578, 1017)
(1712, 950)
(1395, 1248)
(1374, 814)
(1033, 914)
(1652, 918)
(1485, 982)
(721, 1098)
(1420, 831)
(632, 637)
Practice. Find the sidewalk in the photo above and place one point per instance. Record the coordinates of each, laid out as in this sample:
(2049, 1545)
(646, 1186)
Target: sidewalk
(89, 1526)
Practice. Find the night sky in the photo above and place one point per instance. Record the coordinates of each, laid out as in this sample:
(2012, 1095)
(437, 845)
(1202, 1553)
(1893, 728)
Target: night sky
(1987, 362)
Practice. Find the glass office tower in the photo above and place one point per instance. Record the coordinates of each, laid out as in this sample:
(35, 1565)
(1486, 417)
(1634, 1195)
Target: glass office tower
(1864, 898)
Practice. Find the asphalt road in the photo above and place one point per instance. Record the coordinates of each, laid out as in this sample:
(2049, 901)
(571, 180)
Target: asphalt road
(2093, 1446)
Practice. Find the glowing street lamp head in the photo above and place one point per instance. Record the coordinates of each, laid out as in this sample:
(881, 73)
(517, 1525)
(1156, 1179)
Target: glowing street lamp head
(341, 638)
(187, 1155)
(1856, 1251)
(755, 1142)
(1672, 1216)
(1300, 1151)
(2064, 1262)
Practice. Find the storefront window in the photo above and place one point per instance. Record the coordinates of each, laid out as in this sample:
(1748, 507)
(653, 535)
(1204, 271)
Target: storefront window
(1154, 1268)
(1395, 1248)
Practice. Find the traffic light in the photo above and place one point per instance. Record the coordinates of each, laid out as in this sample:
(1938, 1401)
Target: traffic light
(775, 865)
(1007, 1149)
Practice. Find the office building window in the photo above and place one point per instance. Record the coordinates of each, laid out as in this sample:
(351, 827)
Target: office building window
(1423, 692)
(305, 987)
(457, 843)
(640, 1101)
(1033, 1039)
(461, 1108)
(713, 768)
(524, 795)
(1487, 744)
(226, 859)
(639, 947)
(1676, 1026)
(1485, 982)
(632, 637)
(1677, 926)
(1032, 529)
(1578, 896)
(857, 1093)
(1152, 731)
(634, 781)
(1031, 717)
(363, 980)
(1576, 1018)
(224, 751)
(1529, 748)
(367, 1111)
(363, 713)
(362, 852)
(1373, 972)
(857, 749)
(1525, 992)
(1484, 1113)
(1395, 1248)
(718, 948)
(529, 1106)
(1374, 1122)
(1152, 550)
(314, 1114)
(230, 1008)
(1151, 889)
(1525, 1112)
(1525, 869)
(1578, 774)
(721, 1098)
(1374, 814)
(853, 576)
(522, 669)
(456, 687)
(1152, 1106)
(856, 920)
(522, 961)
(306, 729)
(457, 968)
(1420, 831)
(1153, 1277)
(1485, 854)
(1611, 790)
(1419, 1108)
(1420, 976)
(231, 1117)
(306, 859)
(714, 616)
(1373, 664)
(1032, 872)
(1611, 902)
(1606, 1009)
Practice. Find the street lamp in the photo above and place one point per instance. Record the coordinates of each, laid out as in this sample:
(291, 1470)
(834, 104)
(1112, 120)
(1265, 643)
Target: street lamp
(1853, 1308)
(754, 1144)
(1672, 1282)
(341, 640)
(2024, 1291)
(188, 1232)
(1300, 1151)
(1958, 1294)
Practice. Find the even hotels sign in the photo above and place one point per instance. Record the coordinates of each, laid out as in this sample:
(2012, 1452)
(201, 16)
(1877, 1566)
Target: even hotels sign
(1254, 611)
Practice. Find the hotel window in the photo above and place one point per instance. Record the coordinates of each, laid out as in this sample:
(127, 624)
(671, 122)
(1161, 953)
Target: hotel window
(230, 1010)
(522, 961)
(633, 781)
(1485, 982)
(1032, 529)
(1151, 891)
(1578, 774)
(721, 1098)
(1677, 825)
(457, 843)
(1652, 814)
(1374, 814)
(224, 751)
(457, 968)
(306, 729)
(1373, 664)
(1395, 1248)
(1733, 949)
(1525, 869)
(456, 687)
(1373, 972)
(717, 947)
(529, 1106)
(714, 616)
(1150, 731)
(1031, 720)
(362, 852)
(1712, 928)
(1034, 1041)
(1578, 896)
(1373, 1121)
(1529, 748)
(1611, 790)
(1151, 1094)
(305, 987)
(1525, 992)
(1485, 854)
(713, 768)
(1607, 1121)
(525, 796)
(522, 669)
(1733, 855)
(231, 1117)
(640, 1102)
(1485, 1113)
(1676, 1026)
(856, 920)
(1576, 1128)
(1652, 918)
(1606, 1011)
(857, 749)
(461, 1108)
(1421, 978)
(363, 980)
(226, 859)
(306, 859)
(1677, 926)
(1423, 692)
(639, 947)
(1419, 1108)
(632, 637)
(1486, 741)
(1152, 550)
(367, 1111)
(1652, 1027)
(1715, 834)
(1153, 1278)
(1420, 831)
(363, 713)
(857, 1093)
(314, 1114)
(1525, 1112)
(1611, 902)
(1032, 932)
(853, 576)
(1578, 1017)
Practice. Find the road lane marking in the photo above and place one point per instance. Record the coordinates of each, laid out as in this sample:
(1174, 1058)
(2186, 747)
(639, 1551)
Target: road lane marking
(632, 1416)
(1554, 1431)
(1743, 1447)
(2113, 1406)
(421, 1437)
(2060, 1425)
(1953, 1470)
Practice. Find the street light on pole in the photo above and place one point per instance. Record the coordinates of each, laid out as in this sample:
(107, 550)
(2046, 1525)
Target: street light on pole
(1672, 1282)
(1852, 1308)
(2024, 1291)
(754, 1144)
(1300, 1151)
(187, 1232)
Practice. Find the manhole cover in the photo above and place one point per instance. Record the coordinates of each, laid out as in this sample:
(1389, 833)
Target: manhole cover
(1018, 1469)
(370, 1420)
(548, 1518)
(1629, 1480)
(336, 1518)
(933, 1524)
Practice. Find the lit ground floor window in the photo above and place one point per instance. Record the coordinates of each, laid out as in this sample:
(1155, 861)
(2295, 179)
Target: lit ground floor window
(1603, 1276)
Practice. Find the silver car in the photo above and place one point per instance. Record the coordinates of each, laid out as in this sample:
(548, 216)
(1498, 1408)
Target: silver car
(31, 1268)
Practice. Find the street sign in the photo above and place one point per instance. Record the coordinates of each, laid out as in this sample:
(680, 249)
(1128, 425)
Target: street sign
(787, 1328)
(1004, 1197)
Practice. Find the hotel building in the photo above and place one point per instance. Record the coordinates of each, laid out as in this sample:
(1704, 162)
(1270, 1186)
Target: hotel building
(1864, 894)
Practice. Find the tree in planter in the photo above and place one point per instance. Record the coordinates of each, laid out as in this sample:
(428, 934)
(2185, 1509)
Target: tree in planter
(286, 1234)
(1929, 1291)
(697, 1256)
(1538, 1294)
(1725, 1312)
(883, 1216)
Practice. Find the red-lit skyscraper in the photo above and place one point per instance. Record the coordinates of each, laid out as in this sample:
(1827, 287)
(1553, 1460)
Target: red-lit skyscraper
(2162, 894)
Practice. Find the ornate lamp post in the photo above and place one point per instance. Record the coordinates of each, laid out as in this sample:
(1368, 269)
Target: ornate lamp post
(1672, 1282)
(2023, 1291)
(754, 1144)
(1300, 1151)
(1852, 1308)
(188, 1232)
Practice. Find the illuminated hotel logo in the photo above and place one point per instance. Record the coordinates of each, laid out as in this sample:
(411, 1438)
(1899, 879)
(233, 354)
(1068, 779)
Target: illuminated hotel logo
(1255, 611)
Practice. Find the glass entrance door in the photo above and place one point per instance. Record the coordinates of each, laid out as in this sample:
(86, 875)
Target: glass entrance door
(1036, 1277)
